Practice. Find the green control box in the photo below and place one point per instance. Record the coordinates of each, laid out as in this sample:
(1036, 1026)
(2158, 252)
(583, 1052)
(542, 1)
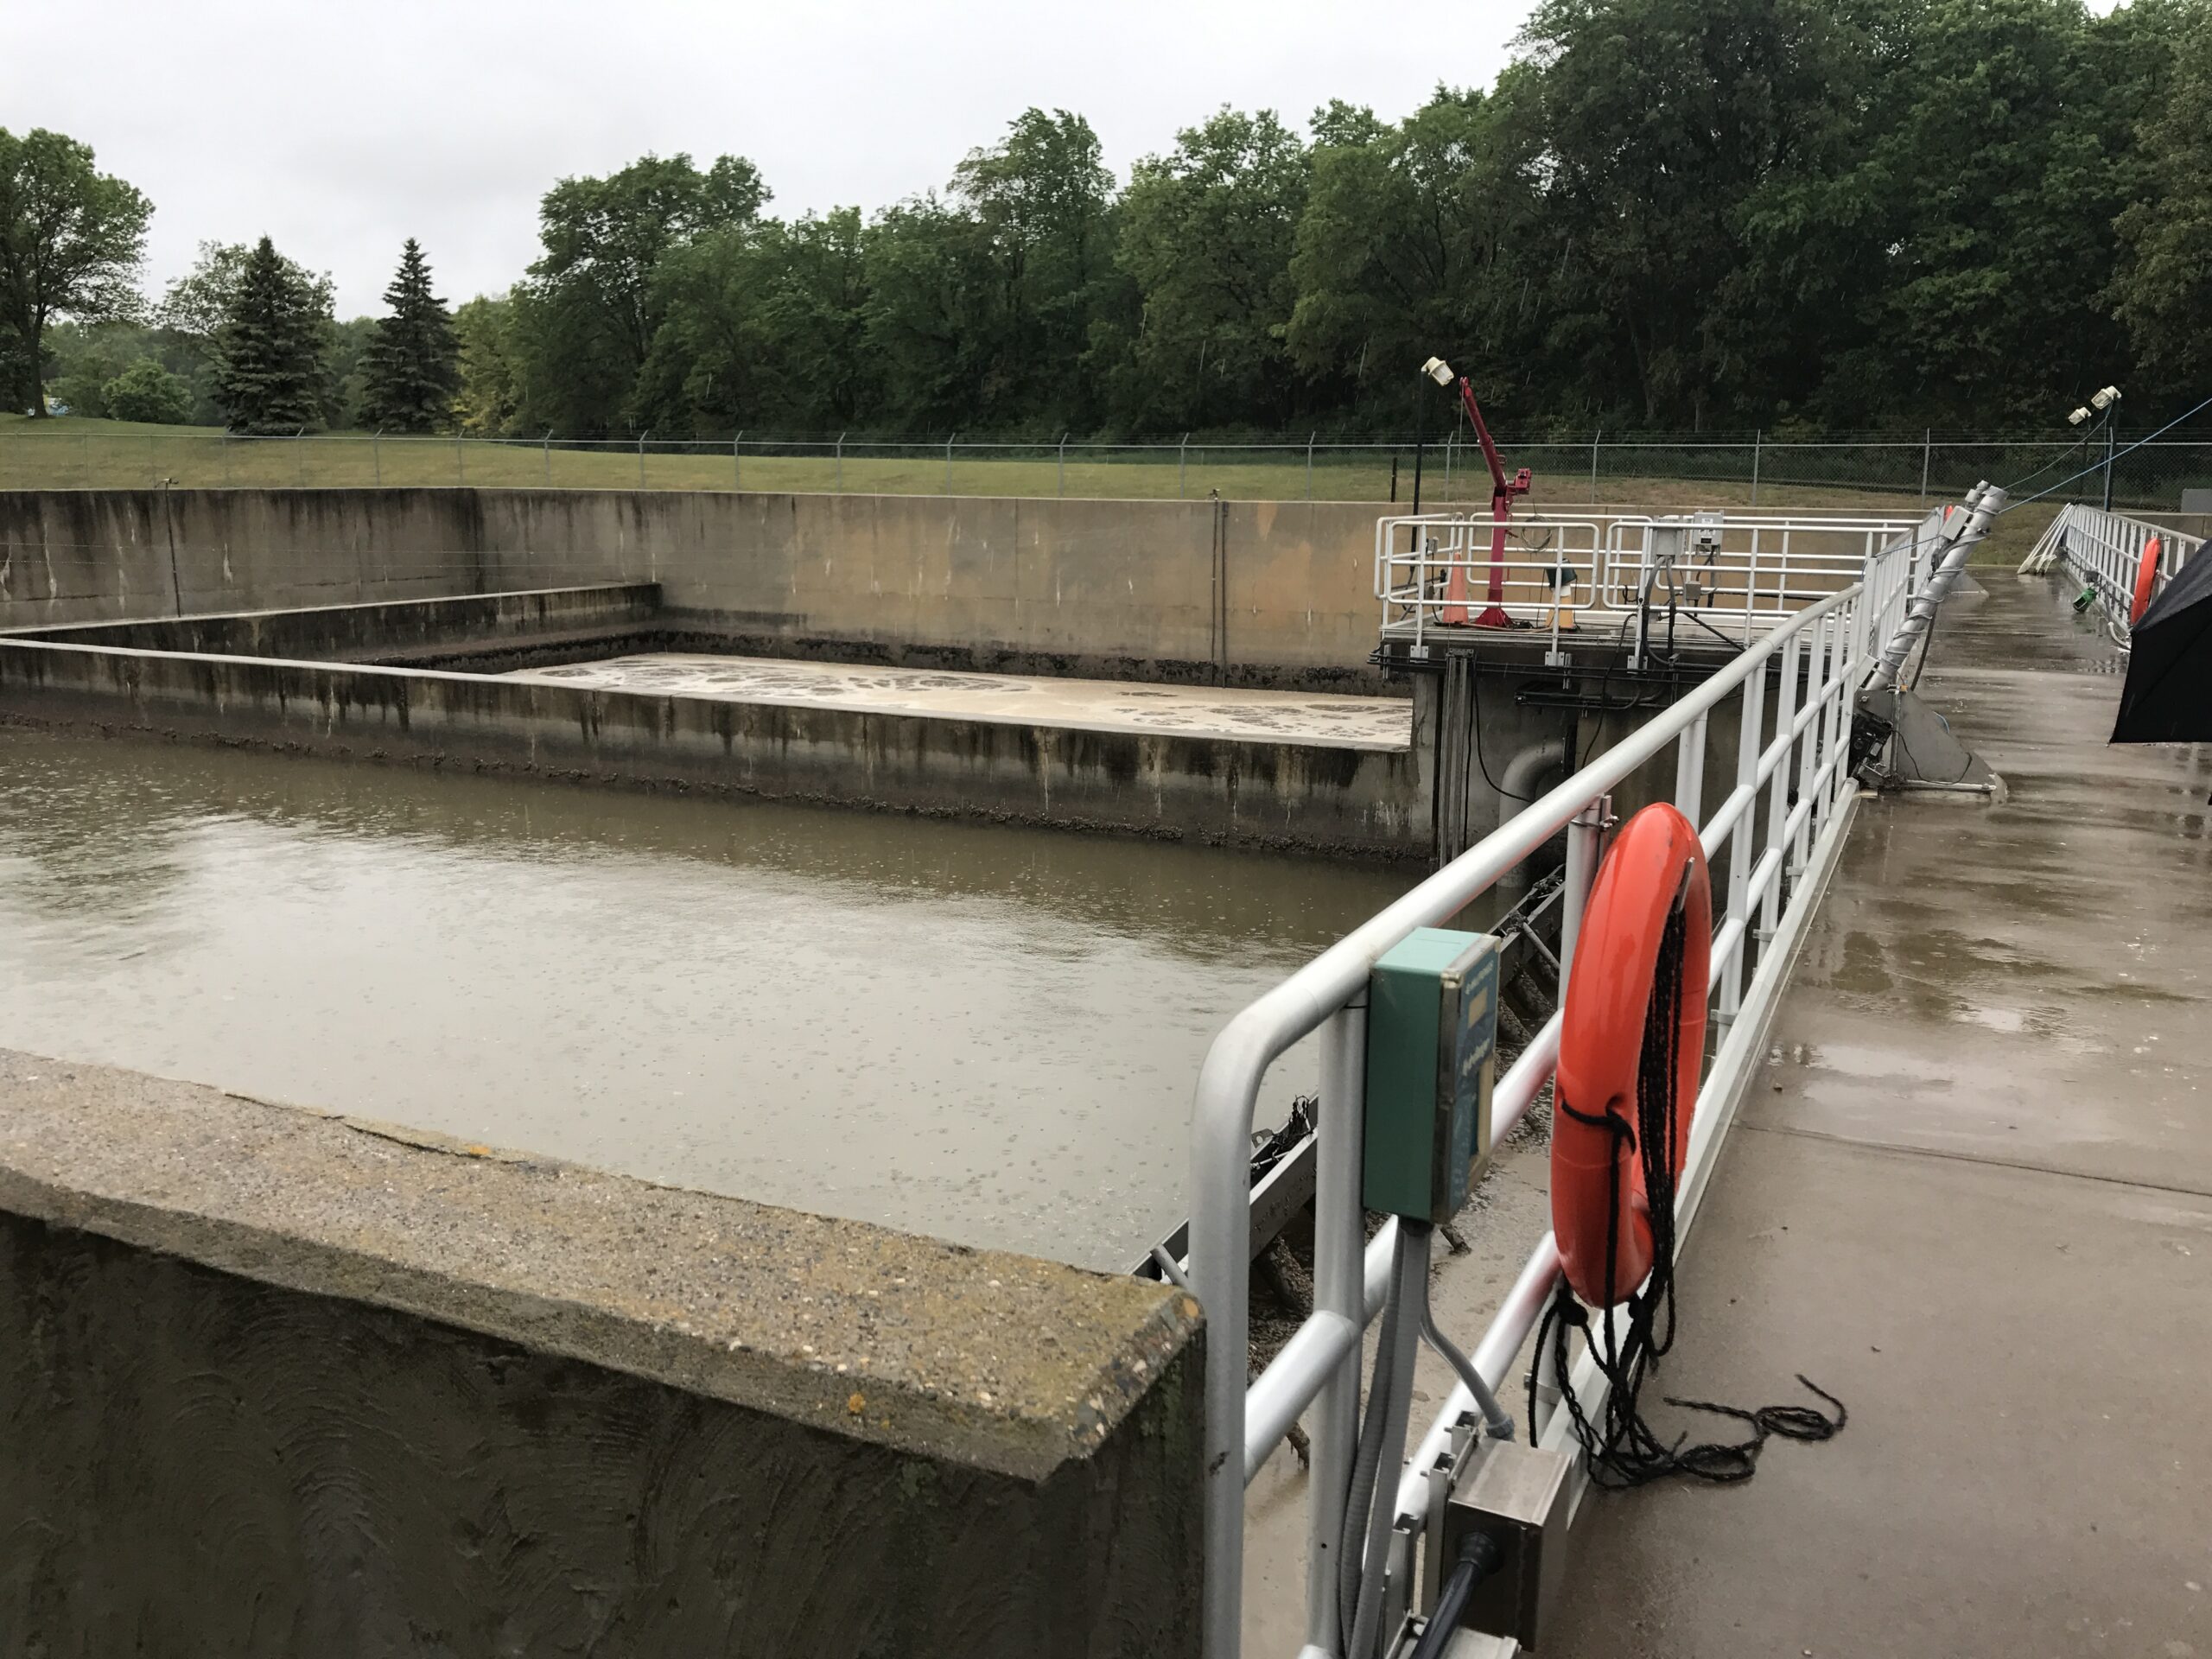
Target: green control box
(1431, 1048)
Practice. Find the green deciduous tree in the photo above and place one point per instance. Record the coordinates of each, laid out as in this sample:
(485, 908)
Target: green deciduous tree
(1206, 234)
(410, 370)
(72, 239)
(147, 391)
(1042, 201)
(1396, 249)
(587, 317)
(489, 402)
(270, 347)
(2162, 293)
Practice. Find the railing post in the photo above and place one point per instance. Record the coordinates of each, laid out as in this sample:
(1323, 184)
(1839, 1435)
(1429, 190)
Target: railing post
(1339, 1287)
(1750, 740)
(1777, 798)
(1585, 840)
(1689, 771)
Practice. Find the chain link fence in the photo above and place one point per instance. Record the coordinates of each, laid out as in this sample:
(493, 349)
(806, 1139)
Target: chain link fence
(1640, 472)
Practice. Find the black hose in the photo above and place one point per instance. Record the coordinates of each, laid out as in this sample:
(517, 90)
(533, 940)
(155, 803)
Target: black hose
(1479, 1557)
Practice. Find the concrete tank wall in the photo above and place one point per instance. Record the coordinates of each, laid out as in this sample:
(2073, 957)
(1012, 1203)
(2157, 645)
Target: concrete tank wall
(1312, 797)
(277, 1383)
(1251, 592)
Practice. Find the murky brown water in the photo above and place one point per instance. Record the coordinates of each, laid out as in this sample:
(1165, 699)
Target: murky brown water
(984, 1033)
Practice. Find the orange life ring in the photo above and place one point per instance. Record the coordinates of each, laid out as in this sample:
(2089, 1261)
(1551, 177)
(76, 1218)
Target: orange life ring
(2146, 573)
(1655, 867)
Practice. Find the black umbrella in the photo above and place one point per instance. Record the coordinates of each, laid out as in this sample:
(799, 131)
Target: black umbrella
(2168, 696)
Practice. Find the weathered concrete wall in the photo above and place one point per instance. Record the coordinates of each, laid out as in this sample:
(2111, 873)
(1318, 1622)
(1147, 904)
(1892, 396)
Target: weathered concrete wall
(383, 629)
(1265, 793)
(1254, 593)
(277, 1383)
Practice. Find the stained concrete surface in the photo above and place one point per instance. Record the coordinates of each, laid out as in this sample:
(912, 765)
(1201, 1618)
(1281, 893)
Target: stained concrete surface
(1972, 1195)
(1083, 705)
(279, 1383)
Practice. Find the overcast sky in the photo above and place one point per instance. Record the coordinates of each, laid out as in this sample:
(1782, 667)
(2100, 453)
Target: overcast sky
(342, 128)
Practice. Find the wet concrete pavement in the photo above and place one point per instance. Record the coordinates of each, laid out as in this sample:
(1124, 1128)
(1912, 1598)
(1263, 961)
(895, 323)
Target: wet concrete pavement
(1972, 1195)
(1008, 699)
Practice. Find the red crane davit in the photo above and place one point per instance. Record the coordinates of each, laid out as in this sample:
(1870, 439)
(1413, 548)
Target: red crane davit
(1502, 492)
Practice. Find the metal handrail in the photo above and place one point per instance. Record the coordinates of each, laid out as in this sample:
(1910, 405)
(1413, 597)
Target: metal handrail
(2105, 549)
(1754, 570)
(1829, 643)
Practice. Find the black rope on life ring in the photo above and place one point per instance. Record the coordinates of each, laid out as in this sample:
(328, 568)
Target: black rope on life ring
(1623, 1450)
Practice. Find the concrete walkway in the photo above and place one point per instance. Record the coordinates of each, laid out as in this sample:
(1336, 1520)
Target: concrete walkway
(1972, 1196)
(1321, 718)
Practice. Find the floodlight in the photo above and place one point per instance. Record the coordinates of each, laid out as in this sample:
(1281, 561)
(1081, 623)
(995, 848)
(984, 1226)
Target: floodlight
(1438, 370)
(2106, 398)
(2078, 415)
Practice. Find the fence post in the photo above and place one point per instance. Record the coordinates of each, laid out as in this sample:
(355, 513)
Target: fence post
(737, 461)
(85, 457)
(1594, 437)
(227, 457)
(376, 456)
(1927, 446)
(1182, 458)
(840, 463)
(548, 444)
(1758, 436)
(948, 463)
(642, 436)
(460, 459)
(1310, 436)
(1063, 465)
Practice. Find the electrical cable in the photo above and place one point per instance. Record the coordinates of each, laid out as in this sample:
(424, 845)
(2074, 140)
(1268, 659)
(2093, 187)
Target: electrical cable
(1479, 1557)
(1496, 1418)
(1393, 1399)
(1625, 1450)
(2112, 460)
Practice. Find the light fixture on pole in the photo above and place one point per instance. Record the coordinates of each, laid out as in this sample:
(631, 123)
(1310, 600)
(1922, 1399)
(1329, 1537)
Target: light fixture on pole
(2106, 399)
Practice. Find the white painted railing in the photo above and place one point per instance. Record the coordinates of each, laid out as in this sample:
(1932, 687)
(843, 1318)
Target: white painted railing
(1737, 575)
(2104, 550)
(1772, 839)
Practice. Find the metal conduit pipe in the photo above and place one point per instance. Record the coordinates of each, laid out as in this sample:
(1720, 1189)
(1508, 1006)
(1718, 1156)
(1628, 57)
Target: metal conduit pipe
(1518, 787)
(1983, 502)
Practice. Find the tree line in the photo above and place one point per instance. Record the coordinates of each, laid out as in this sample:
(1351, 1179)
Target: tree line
(1808, 216)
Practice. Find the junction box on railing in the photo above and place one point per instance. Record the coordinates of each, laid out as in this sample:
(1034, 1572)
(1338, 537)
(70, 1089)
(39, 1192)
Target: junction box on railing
(1431, 1047)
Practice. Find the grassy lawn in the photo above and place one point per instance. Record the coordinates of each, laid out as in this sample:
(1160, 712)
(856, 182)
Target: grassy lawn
(73, 453)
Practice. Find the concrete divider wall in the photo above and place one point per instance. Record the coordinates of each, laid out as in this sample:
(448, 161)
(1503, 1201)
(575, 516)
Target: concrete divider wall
(381, 629)
(277, 1383)
(1076, 584)
(1237, 792)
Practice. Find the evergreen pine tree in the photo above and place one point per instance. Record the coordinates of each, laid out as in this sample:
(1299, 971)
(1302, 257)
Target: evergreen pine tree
(411, 370)
(269, 349)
